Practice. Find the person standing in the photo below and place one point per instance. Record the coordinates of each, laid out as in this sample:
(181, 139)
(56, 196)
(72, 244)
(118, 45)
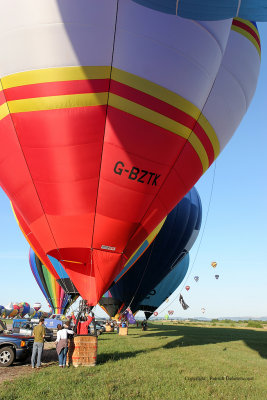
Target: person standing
(38, 345)
(62, 344)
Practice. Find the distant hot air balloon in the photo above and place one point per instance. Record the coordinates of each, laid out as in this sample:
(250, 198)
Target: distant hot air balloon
(170, 312)
(187, 288)
(2, 310)
(37, 306)
(217, 276)
(25, 309)
(196, 278)
(214, 264)
(18, 307)
(32, 312)
(167, 300)
(155, 313)
(121, 138)
(210, 10)
(56, 297)
(203, 310)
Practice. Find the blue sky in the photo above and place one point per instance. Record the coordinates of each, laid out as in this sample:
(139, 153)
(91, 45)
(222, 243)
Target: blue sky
(235, 235)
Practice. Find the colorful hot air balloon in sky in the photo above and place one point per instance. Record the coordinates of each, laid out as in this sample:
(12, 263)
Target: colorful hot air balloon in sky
(155, 313)
(214, 264)
(187, 287)
(174, 240)
(196, 278)
(170, 312)
(217, 276)
(131, 106)
(203, 310)
(37, 306)
(208, 10)
(53, 292)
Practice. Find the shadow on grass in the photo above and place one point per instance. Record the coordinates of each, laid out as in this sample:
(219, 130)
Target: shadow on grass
(197, 336)
(192, 336)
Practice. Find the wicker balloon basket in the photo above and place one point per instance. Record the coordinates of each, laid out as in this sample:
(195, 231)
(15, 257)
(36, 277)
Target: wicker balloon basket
(82, 351)
(123, 331)
(109, 328)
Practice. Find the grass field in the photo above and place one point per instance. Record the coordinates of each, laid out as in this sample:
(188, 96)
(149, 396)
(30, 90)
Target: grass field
(167, 362)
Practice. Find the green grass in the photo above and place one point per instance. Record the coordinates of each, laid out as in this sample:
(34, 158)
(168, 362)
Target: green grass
(167, 362)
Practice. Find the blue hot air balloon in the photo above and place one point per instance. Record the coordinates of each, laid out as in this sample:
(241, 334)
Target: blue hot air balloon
(165, 288)
(209, 10)
(174, 240)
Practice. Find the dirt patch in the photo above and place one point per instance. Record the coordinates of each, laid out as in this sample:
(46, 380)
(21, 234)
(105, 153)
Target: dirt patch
(19, 369)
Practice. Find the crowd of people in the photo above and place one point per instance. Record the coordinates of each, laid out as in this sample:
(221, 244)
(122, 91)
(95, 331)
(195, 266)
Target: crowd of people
(65, 331)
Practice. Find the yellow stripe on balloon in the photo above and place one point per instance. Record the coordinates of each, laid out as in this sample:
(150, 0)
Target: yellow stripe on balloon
(248, 36)
(200, 150)
(210, 132)
(164, 122)
(58, 102)
(155, 90)
(55, 75)
(148, 115)
(4, 111)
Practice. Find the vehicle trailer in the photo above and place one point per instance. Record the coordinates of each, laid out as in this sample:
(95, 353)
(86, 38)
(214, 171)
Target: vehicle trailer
(14, 348)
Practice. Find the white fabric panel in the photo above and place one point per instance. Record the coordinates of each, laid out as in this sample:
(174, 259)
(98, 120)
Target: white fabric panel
(179, 54)
(45, 33)
(234, 87)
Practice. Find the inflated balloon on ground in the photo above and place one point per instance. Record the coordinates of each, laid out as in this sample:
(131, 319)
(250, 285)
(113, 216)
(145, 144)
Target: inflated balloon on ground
(131, 106)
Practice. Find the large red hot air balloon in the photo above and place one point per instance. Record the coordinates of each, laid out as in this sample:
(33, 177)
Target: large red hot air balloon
(110, 112)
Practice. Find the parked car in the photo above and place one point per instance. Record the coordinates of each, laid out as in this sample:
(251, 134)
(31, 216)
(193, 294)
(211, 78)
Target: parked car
(14, 348)
(25, 327)
(99, 328)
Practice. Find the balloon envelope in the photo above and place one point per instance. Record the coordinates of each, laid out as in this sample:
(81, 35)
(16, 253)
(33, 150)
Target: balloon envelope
(209, 9)
(187, 288)
(37, 306)
(121, 138)
(166, 287)
(214, 264)
(196, 278)
(173, 241)
(56, 297)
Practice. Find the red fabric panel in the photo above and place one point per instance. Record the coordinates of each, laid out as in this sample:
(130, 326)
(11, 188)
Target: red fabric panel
(57, 89)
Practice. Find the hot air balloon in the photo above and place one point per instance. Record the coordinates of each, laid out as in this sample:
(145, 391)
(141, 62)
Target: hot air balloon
(214, 264)
(52, 264)
(170, 312)
(18, 307)
(187, 288)
(217, 276)
(203, 310)
(110, 305)
(166, 287)
(53, 292)
(137, 281)
(37, 306)
(122, 139)
(155, 313)
(210, 10)
(196, 278)
(32, 312)
(2, 310)
(25, 309)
